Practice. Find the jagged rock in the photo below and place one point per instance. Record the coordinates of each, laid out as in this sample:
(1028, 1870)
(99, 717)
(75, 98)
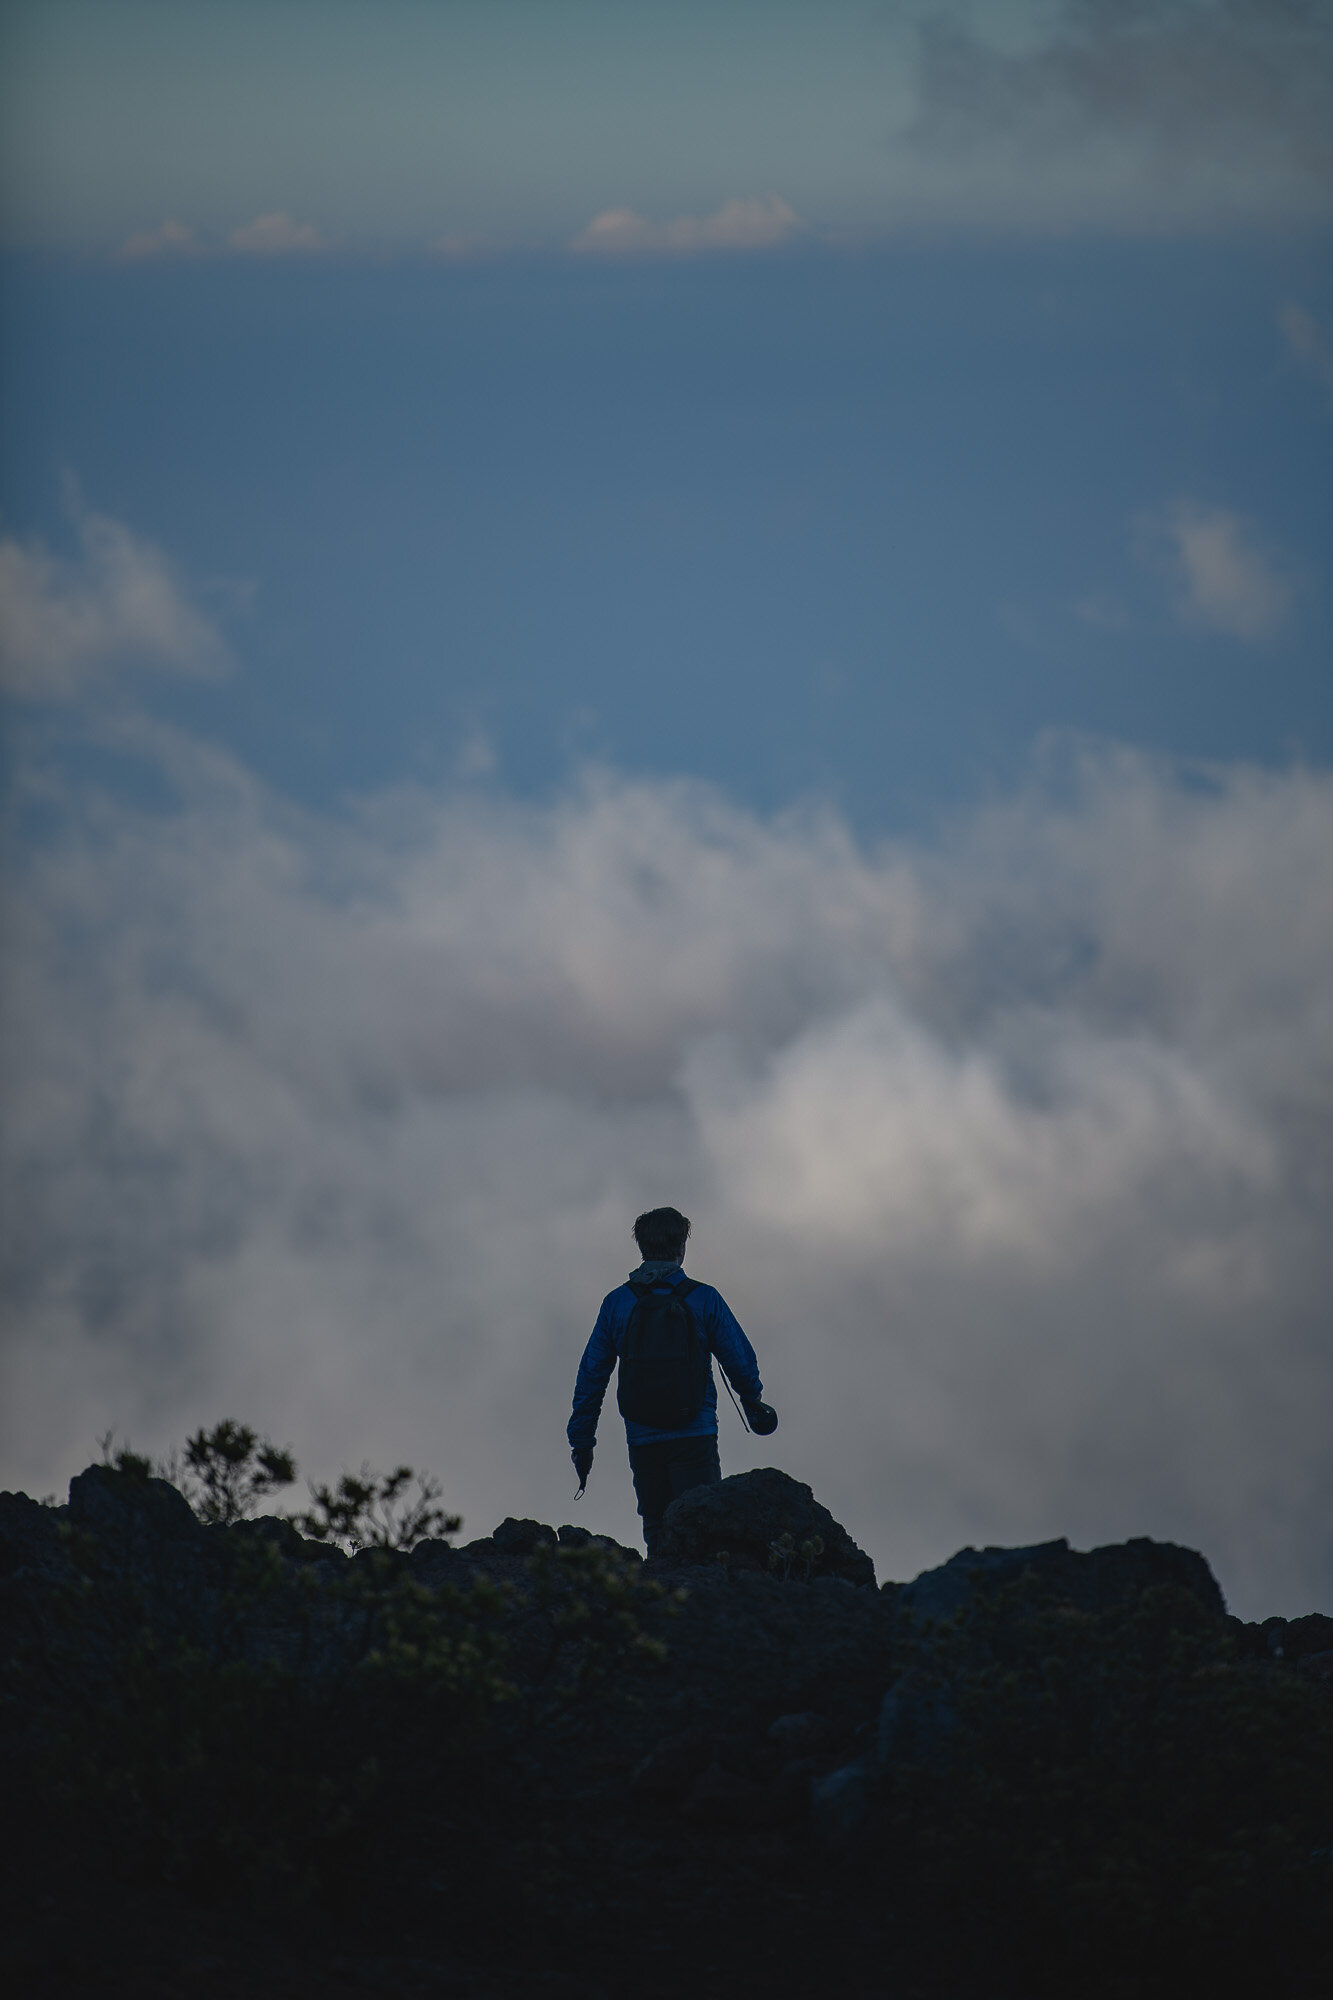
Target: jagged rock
(520, 1538)
(671, 1766)
(434, 1563)
(800, 1735)
(840, 1802)
(29, 1535)
(744, 1648)
(372, 1556)
(725, 1799)
(100, 1600)
(917, 1722)
(272, 1531)
(745, 1514)
(570, 1537)
(1095, 1579)
(1311, 1634)
(113, 1504)
(1289, 1639)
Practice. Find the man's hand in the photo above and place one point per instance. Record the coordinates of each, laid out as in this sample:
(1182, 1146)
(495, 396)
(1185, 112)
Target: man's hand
(582, 1457)
(762, 1419)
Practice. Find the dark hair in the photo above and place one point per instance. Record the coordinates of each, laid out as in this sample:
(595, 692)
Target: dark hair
(661, 1234)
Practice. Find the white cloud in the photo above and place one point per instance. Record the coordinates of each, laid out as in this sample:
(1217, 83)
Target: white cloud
(737, 225)
(275, 235)
(63, 624)
(1308, 342)
(169, 239)
(1226, 581)
(1011, 1153)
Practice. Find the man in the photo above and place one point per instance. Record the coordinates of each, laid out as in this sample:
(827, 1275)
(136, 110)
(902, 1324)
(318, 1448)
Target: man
(664, 1329)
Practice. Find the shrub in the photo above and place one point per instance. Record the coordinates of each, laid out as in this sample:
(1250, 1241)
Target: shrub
(374, 1510)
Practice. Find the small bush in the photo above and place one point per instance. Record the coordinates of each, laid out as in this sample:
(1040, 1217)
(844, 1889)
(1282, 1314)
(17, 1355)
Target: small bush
(375, 1510)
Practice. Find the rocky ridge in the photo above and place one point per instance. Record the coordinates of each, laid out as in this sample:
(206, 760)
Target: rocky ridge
(751, 1709)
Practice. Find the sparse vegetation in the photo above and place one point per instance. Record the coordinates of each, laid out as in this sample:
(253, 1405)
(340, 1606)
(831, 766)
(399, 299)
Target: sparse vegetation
(1130, 1801)
(223, 1473)
(226, 1472)
(377, 1510)
(787, 1557)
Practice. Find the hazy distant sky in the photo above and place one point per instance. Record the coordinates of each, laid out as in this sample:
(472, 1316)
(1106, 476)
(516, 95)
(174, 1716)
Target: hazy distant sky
(403, 123)
(615, 603)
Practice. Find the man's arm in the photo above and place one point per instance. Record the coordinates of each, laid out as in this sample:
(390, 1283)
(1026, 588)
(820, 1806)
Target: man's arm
(734, 1352)
(599, 1358)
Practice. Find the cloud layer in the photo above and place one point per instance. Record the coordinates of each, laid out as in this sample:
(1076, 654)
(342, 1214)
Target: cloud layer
(1012, 1154)
(64, 623)
(398, 123)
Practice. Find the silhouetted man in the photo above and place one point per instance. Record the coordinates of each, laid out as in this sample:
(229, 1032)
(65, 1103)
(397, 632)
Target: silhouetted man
(664, 1330)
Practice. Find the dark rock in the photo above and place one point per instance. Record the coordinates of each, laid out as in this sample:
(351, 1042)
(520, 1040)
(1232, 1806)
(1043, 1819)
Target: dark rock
(435, 1563)
(372, 1556)
(917, 1722)
(29, 1535)
(1316, 1667)
(520, 1538)
(840, 1802)
(746, 1514)
(1095, 1580)
(725, 1799)
(1272, 1638)
(271, 1531)
(789, 1792)
(752, 1647)
(117, 1504)
(1311, 1634)
(801, 1735)
(571, 1537)
(672, 1765)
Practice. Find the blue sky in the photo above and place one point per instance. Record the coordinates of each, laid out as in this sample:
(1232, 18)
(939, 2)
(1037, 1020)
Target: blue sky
(724, 604)
(860, 527)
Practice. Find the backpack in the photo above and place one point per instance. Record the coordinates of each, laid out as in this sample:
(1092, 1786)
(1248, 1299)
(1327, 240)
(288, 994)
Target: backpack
(664, 1363)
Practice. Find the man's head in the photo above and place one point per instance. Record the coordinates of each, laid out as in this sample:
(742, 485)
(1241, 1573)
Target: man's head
(661, 1234)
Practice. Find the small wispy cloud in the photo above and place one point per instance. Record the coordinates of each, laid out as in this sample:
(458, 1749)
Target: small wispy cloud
(738, 225)
(169, 239)
(1308, 342)
(1225, 580)
(1103, 610)
(275, 235)
(476, 756)
(64, 623)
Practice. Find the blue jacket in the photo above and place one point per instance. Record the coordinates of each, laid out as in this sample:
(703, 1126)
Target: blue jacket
(715, 1322)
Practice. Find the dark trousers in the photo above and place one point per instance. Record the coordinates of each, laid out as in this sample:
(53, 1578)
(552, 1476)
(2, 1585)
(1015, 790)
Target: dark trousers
(663, 1471)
